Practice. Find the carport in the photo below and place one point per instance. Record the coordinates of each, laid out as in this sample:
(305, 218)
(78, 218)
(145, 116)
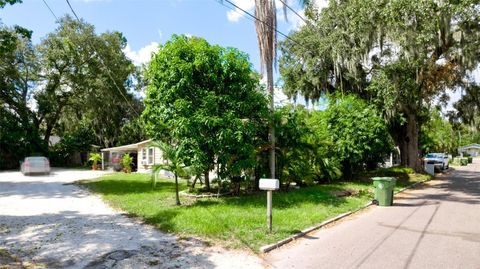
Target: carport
(110, 154)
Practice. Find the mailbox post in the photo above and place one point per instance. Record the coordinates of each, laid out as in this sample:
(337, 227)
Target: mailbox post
(269, 185)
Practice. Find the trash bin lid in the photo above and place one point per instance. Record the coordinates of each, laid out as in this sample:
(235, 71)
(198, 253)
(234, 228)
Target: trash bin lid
(389, 179)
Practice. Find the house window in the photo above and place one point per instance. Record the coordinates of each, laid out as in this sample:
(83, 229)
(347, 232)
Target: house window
(144, 154)
(150, 156)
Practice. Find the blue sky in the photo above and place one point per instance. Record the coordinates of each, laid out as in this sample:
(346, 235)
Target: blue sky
(146, 23)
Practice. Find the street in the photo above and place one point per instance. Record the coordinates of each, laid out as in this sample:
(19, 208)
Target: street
(435, 226)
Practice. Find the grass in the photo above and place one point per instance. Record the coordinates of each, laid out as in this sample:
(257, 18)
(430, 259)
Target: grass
(237, 222)
(405, 176)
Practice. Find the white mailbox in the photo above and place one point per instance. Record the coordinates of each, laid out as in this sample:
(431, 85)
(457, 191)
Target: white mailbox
(269, 184)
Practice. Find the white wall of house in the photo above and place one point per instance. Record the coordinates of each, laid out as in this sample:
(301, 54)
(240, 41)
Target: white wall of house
(474, 152)
(148, 156)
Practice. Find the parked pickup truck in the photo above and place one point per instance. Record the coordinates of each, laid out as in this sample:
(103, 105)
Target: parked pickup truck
(439, 160)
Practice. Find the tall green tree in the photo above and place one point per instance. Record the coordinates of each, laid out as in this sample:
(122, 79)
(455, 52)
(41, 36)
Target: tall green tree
(73, 79)
(19, 125)
(266, 27)
(468, 107)
(359, 134)
(398, 54)
(437, 134)
(205, 99)
(82, 73)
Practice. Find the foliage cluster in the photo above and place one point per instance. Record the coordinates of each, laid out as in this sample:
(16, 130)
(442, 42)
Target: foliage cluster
(62, 87)
(127, 162)
(205, 101)
(400, 55)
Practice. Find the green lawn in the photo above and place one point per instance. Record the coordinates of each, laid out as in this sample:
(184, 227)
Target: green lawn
(237, 222)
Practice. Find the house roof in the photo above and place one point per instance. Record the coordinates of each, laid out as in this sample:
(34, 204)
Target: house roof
(470, 146)
(130, 147)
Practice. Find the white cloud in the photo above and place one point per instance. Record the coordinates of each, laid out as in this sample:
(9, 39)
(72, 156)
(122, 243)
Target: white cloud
(236, 14)
(294, 20)
(143, 55)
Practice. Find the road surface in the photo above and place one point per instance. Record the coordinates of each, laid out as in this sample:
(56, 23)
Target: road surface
(436, 226)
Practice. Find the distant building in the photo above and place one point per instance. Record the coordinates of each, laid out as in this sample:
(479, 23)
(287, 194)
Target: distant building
(472, 150)
(144, 156)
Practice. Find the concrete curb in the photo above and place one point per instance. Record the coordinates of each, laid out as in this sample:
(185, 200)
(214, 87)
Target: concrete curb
(268, 248)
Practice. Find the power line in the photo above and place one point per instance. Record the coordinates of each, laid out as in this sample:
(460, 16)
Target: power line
(98, 55)
(103, 63)
(293, 10)
(259, 20)
(51, 11)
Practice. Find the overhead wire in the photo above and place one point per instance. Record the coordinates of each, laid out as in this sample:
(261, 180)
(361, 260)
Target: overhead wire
(293, 10)
(104, 65)
(249, 14)
(96, 54)
(51, 11)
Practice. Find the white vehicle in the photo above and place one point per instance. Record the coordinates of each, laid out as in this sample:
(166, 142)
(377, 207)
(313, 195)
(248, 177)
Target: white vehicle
(439, 160)
(35, 165)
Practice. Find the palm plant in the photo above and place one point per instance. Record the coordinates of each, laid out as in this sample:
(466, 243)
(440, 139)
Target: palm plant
(265, 27)
(174, 164)
(95, 158)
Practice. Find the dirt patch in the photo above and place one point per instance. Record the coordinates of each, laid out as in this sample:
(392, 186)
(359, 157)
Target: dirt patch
(345, 193)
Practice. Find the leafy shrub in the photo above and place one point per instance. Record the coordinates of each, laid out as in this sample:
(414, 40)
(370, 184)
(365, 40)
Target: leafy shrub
(359, 134)
(95, 158)
(127, 162)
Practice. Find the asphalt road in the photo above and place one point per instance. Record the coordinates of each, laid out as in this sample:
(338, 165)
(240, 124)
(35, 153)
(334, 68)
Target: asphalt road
(436, 226)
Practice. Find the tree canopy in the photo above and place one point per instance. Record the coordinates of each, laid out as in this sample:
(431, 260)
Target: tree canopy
(205, 99)
(74, 80)
(399, 54)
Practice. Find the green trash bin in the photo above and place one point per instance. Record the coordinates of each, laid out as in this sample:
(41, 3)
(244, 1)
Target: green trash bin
(384, 190)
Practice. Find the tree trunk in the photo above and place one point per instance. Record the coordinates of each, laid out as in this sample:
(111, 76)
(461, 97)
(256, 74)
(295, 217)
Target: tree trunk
(207, 180)
(51, 124)
(177, 198)
(271, 129)
(408, 143)
(193, 183)
(412, 134)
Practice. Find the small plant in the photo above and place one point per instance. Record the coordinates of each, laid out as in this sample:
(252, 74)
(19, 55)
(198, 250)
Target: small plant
(127, 162)
(174, 165)
(95, 158)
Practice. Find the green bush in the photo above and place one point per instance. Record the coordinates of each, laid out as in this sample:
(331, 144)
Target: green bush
(470, 159)
(95, 158)
(359, 134)
(127, 162)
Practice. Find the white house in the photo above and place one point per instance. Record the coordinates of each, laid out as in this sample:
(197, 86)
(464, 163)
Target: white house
(472, 150)
(144, 155)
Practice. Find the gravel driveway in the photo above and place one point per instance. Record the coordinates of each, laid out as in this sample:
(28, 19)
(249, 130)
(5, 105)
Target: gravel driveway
(45, 222)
